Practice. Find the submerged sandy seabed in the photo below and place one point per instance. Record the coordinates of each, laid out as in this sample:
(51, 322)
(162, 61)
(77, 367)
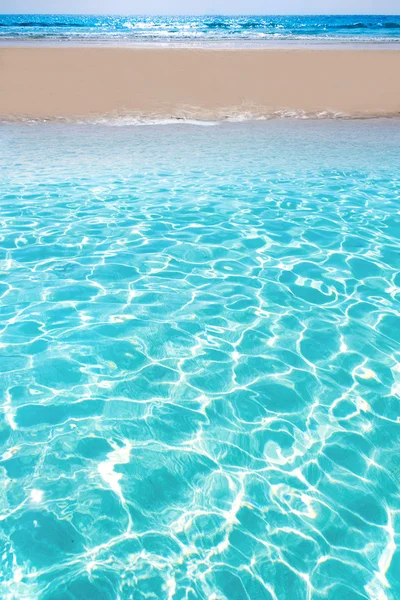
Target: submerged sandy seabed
(92, 82)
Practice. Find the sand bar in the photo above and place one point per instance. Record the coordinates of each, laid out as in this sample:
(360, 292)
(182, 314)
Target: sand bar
(79, 82)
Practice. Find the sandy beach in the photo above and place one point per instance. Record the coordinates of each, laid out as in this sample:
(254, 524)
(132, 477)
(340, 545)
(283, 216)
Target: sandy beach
(87, 82)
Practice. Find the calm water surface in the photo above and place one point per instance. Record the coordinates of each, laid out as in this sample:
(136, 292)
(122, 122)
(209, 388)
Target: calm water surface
(200, 361)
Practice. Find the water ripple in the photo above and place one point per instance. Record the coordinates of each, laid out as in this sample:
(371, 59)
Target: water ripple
(200, 366)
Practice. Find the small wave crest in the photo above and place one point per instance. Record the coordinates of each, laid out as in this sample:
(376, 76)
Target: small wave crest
(369, 26)
(391, 25)
(129, 121)
(219, 27)
(196, 119)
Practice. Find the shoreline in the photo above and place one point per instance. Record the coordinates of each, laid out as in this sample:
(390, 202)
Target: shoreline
(209, 44)
(138, 120)
(86, 82)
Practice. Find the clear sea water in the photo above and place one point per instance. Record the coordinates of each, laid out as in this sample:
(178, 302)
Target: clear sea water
(200, 361)
(336, 28)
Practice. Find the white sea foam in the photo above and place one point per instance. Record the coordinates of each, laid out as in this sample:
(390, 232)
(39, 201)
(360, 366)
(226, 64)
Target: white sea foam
(126, 121)
(199, 118)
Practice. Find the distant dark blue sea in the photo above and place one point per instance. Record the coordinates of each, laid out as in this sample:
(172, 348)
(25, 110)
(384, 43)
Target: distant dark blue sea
(352, 28)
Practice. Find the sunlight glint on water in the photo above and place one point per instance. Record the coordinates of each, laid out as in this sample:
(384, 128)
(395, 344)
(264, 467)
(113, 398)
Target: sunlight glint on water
(200, 361)
(122, 28)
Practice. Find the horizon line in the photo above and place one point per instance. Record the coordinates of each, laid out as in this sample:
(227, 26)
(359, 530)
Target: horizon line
(162, 14)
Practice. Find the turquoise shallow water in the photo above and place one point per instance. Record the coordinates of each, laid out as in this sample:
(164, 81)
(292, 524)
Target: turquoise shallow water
(200, 361)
